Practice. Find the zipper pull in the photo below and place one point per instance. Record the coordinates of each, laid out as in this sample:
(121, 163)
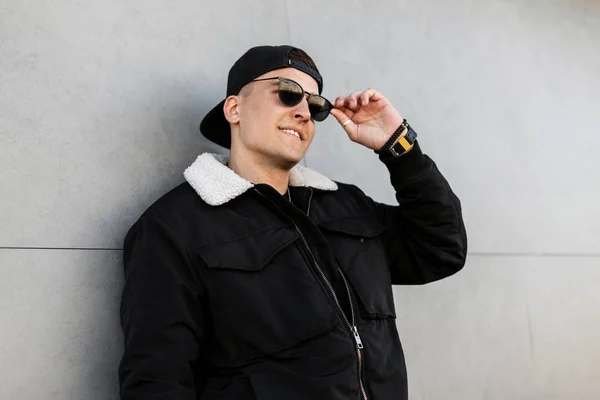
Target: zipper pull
(357, 337)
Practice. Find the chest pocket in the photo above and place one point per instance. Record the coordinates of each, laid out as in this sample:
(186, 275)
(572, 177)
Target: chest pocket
(357, 244)
(262, 295)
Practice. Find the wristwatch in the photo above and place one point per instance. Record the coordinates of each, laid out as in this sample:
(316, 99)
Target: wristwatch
(398, 144)
(404, 143)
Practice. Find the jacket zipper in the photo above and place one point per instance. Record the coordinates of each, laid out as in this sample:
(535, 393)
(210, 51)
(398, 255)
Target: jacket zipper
(353, 329)
(309, 200)
(351, 326)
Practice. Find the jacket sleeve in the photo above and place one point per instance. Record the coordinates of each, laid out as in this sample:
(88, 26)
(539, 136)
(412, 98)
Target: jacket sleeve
(160, 315)
(425, 237)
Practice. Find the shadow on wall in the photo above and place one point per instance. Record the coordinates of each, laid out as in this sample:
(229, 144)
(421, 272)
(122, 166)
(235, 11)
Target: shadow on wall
(164, 147)
(99, 338)
(164, 152)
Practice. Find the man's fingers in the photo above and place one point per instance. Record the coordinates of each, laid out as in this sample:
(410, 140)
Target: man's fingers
(366, 96)
(363, 100)
(339, 102)
(352, 101)
(342, 115)
(339, 115)
(370, 95)
(359, 98)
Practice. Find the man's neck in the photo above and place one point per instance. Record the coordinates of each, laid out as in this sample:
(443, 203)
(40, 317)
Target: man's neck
(259, 170)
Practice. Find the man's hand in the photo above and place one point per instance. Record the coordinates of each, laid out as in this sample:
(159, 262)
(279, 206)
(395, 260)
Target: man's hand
(373, 118)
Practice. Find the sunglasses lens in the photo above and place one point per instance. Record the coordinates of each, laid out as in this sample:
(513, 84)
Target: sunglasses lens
(319, 107)
(290, 93)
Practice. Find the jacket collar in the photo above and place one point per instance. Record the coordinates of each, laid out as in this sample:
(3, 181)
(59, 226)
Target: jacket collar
(217, 184)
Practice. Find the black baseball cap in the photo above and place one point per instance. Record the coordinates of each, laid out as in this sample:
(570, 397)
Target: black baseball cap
(255, 62)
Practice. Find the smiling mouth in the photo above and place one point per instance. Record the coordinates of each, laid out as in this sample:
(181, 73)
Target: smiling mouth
(291, 132)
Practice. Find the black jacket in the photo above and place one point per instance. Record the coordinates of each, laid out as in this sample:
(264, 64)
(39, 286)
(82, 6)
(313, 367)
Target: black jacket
(234, 293)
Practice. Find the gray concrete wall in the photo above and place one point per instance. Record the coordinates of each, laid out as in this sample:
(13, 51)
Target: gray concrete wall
(99, 108)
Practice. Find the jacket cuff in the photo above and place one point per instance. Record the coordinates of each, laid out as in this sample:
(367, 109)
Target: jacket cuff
(406, 167)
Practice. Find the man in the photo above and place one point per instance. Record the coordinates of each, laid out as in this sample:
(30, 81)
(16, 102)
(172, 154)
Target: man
(259, 278)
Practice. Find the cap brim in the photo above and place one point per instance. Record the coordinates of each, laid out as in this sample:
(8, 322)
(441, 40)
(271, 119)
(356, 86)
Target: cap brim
(215, 127)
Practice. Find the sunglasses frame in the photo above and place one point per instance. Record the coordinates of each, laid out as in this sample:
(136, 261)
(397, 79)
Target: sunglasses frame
(281, 79)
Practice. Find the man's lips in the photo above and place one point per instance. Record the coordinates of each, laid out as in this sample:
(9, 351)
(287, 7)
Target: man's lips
(292, 131)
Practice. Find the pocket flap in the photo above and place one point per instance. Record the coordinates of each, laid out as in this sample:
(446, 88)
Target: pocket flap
(366, 226)
(363, 261)
(251, 252)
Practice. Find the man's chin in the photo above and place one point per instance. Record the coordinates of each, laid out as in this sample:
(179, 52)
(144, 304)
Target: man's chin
(290, 160)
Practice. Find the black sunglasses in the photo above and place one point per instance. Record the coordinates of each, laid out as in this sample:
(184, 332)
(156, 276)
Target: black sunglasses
(291, 93)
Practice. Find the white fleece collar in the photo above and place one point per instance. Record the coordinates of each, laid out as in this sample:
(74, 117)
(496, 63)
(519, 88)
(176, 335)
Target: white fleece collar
(217, 184)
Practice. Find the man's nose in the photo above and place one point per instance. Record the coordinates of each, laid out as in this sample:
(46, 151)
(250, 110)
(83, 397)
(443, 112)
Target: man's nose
(301, 110)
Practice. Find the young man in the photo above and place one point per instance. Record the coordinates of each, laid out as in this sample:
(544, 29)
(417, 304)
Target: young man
(259, 278)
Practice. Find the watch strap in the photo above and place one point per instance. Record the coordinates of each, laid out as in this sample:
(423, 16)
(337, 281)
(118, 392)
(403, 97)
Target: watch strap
(404, 143)
(398, 144)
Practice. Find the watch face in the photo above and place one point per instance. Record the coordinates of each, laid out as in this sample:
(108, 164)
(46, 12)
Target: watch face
(412, 134)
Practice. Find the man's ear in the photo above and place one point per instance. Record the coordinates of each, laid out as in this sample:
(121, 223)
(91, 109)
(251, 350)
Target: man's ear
(231, 109)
